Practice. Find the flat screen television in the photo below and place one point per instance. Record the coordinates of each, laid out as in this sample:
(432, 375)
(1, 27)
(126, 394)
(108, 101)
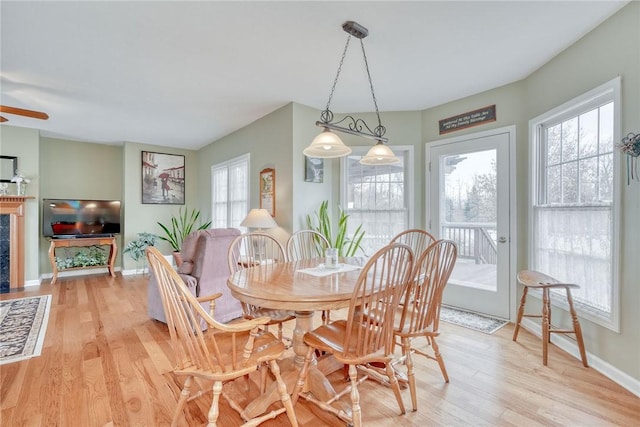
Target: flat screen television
(69, 218)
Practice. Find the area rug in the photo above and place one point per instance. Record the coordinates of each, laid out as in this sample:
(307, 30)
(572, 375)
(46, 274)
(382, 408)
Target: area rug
(467, 319)
(23, 325)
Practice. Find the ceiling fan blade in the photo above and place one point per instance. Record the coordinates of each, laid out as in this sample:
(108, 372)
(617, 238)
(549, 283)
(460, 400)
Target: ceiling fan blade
(22, 112)
(2, 119)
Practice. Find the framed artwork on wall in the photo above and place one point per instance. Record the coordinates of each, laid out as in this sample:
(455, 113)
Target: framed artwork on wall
(313, 169)
(8, 168)
(268, 190)
(163, 178)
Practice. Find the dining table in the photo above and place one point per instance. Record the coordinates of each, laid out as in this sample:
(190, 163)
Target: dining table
(302, 287)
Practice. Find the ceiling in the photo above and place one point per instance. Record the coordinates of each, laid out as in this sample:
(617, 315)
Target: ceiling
(184, 74)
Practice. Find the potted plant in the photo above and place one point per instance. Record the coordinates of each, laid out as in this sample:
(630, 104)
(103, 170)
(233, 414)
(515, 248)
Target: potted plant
(321, 222)
(137, 248)
(180, 227)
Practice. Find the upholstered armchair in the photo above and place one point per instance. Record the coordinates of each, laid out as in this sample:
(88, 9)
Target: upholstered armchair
(205, 272)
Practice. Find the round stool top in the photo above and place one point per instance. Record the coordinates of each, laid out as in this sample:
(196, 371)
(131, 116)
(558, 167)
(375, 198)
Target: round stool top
(535, 279)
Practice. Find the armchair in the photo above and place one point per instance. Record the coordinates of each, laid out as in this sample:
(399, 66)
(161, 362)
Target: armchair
(205, 272)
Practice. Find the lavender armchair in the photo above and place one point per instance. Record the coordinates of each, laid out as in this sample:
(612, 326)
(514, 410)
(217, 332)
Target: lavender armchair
(204, 269)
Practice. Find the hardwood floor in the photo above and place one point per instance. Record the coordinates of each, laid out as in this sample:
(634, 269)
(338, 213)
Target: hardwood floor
(104, 362)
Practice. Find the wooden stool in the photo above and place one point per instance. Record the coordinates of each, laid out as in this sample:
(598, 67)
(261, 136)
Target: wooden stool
(537, 280)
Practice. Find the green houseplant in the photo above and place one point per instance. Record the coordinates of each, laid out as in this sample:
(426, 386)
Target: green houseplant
(137, 248)
(321, 222)
(181, 226)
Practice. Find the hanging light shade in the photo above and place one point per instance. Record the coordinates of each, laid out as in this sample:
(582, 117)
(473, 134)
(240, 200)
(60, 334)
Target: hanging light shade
(379, 154)
(327, 145)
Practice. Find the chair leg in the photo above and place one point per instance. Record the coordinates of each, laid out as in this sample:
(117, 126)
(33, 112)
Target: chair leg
(356, 412)
(411, 376)
(523, 300)
(214, 411)
(439, 359)
(302, 377)
(545, 325)
(577, 329)
(184, 396)
(393, 381)
(284, 395)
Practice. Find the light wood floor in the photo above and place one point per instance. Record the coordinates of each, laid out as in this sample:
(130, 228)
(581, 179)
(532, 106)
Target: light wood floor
(104, 362)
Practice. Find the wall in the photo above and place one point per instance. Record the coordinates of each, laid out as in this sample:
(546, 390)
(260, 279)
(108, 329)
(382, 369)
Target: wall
(139, 217)
(269, 141)
(23, 143)
(78, 170)
(612, 49)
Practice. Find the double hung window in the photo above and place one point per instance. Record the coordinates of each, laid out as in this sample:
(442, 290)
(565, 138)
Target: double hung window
(230, 192)
(378, 197)
(575, 202)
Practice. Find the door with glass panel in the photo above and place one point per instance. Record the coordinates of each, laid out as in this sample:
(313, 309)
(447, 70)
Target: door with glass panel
(469, 204)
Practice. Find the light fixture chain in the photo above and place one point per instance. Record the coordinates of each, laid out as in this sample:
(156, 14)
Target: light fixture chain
(373, 94)
(335, 81)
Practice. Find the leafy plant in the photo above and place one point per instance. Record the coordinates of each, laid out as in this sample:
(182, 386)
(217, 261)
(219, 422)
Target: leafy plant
(321, 222)
(92, 257)
(181, 226)
(136, 248)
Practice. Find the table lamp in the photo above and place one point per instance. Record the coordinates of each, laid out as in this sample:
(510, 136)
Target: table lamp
(259, 218)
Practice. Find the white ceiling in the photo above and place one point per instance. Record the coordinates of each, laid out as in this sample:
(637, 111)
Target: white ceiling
(184, 74)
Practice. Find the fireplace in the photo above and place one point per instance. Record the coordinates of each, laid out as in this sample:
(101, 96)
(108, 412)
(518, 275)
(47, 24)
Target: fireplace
(12, 209)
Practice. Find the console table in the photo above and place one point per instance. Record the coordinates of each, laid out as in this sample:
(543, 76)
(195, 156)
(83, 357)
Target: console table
(80, 242)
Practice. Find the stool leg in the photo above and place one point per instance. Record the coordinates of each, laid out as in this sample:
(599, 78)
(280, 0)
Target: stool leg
(545, 325)
(549, 316)
(577, 329)
(523, 300)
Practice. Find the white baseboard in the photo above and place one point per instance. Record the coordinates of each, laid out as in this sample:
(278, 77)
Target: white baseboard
(605, 368)
(135, 271)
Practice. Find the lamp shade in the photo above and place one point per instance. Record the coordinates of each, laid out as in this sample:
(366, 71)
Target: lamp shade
(327, 145)
(259, 218)
(379, 154)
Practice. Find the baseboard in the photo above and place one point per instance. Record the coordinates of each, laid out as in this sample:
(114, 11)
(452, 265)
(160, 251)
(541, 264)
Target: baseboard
(600, 365)
(135, 272)
(72, 273)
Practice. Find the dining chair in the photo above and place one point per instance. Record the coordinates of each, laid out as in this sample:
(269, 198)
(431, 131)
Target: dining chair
(420, 315)
(222, 354)
(251, 249)
(357, 340)
(307, 244)
(418, 240)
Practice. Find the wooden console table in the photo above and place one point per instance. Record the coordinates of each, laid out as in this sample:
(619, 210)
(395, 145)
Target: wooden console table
(80, 242)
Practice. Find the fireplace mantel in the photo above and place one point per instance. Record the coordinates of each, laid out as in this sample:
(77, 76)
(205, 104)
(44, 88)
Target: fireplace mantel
(15, 207)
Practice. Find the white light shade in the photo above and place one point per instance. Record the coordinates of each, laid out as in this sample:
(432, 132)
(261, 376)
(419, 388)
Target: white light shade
(327, 145)
(379, 154)
(259, 218)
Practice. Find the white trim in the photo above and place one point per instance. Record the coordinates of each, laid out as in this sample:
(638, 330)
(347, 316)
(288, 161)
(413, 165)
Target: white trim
(600, 365)
(513, 223)
(594, 97)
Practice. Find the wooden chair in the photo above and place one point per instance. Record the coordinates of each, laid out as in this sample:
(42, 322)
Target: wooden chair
(418, 240)
(222, 354)
(358, 340)
(307, 244)
(536, 280)
(420, 316)
(251, 249)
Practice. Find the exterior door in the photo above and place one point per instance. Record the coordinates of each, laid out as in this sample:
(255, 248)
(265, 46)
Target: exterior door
(469, 203)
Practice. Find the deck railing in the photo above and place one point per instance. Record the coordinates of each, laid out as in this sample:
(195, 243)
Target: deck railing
(474, 240)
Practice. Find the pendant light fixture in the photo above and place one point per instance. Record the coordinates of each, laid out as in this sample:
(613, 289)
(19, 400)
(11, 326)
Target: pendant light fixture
(328, 144)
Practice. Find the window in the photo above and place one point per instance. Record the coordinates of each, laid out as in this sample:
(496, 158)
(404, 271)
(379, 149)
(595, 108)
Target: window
(575, 204)
(230, 192)
(378, 197)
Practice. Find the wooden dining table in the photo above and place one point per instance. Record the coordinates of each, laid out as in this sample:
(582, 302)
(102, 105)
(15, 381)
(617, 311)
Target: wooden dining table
(302, 287)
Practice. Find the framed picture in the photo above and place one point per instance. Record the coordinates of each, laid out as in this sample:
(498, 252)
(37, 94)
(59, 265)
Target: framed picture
(268, 190)
(162, 178)
(313, 169)
(8, 168)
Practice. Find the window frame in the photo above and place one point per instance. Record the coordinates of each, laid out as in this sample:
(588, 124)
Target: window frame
(244, 158)
(607, 92)
(407, 151)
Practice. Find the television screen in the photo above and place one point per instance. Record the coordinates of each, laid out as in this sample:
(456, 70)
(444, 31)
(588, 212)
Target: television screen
(80, 218)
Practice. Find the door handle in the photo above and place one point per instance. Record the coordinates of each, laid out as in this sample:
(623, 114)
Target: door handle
(502, 239)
